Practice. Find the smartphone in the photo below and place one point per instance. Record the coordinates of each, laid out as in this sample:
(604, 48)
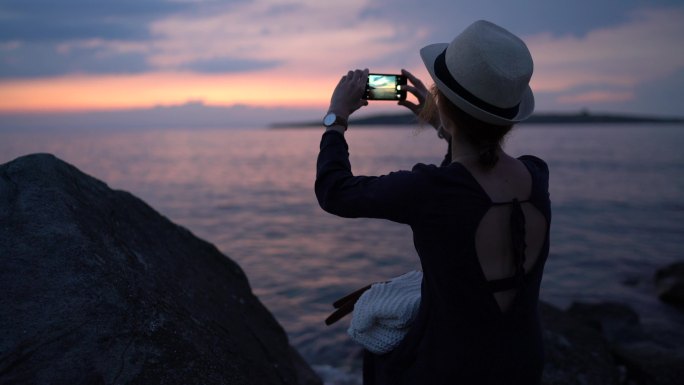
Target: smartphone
(385, 87)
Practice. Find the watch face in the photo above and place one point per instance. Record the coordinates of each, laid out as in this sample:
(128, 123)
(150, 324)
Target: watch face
(329, 119)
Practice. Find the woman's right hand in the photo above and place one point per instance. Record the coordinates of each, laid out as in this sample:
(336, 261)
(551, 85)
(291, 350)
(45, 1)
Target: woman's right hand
(347, 96)
(418, 89)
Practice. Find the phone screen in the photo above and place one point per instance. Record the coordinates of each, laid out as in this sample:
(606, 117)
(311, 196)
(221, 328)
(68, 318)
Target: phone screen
(385, 87)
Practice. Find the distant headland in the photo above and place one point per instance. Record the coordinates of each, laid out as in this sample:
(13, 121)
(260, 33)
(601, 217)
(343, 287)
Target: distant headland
(582, 117)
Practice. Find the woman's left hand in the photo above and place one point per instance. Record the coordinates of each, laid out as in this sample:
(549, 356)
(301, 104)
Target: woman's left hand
(347, 96)
(418, 89)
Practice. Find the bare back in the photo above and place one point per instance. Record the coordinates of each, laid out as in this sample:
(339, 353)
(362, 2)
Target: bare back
(507, 181)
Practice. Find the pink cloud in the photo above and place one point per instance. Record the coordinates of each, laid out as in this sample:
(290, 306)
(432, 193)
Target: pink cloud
(318, 37)
(645, 48)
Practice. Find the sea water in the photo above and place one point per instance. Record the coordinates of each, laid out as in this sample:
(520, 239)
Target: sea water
(617, 196)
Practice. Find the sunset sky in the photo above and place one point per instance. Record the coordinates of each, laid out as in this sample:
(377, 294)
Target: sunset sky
(269, 59)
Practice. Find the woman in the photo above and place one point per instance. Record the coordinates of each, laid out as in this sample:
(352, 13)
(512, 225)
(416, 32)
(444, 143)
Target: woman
(480, 221)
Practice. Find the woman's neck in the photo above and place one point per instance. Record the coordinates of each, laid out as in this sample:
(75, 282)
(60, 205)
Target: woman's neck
(463, 150)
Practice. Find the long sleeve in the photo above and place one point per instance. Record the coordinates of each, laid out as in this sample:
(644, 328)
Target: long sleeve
(394, 196)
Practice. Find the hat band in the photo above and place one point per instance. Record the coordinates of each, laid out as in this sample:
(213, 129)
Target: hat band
(443, 74)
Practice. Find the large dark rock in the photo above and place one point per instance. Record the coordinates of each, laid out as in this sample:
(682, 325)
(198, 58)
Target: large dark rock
(98, 288)
(600, 330)
(648, 358)
(617, 323)
(670, 284)
(575, 353)
(651, 363)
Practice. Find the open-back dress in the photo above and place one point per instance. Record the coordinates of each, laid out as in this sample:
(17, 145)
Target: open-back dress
(464, 333)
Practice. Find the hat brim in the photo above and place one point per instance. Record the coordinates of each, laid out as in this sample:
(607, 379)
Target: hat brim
(429, 55)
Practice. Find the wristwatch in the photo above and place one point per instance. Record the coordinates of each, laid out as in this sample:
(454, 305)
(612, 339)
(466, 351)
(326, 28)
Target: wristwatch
(333, 120)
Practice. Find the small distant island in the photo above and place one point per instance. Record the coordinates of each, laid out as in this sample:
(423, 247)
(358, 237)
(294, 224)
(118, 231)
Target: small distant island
(582, 117)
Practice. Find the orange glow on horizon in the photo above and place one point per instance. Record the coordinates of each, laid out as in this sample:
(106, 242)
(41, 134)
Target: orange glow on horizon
(597, 97)
(88, 92)
(77, 93)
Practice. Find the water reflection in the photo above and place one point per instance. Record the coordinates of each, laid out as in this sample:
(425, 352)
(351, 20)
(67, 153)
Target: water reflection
(617, 211)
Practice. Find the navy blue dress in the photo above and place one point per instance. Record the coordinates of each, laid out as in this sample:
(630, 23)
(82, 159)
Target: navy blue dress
(460, 335)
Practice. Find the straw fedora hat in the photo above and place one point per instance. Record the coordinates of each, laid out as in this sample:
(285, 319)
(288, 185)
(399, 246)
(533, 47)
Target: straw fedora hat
(485, 71)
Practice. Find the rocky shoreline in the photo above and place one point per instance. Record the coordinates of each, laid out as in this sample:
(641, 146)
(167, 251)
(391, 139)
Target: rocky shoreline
(604, 343)
(98, 288)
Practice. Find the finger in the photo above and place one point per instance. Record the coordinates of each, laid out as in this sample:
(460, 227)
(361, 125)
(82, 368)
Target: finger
(349, 76)
(411, 77)
(420, 96)
(355, 76)
(415, 91)
(410, 105)
(408, 74)
(417, 82)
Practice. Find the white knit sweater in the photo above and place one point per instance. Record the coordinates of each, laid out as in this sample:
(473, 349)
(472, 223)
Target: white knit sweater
(384, 313)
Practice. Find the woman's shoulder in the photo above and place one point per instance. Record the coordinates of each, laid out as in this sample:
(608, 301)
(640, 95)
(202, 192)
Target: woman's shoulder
(539, 171)
(535, 164)
(424, 168)
(454, 175)
(432, 170)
